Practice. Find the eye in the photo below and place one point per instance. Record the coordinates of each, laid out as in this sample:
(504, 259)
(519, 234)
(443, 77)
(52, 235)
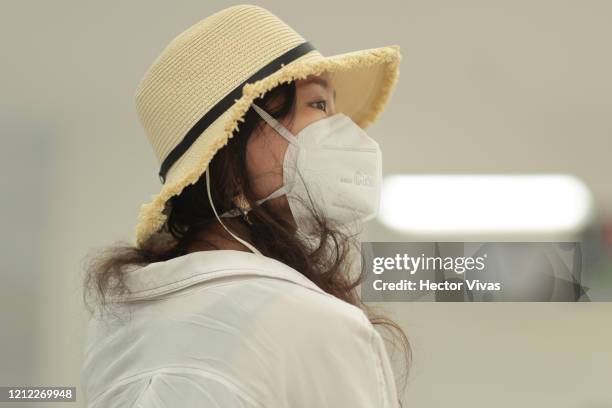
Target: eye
(322, 105)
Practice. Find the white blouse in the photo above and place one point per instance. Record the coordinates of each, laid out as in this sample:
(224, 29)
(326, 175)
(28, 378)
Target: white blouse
(233, 329)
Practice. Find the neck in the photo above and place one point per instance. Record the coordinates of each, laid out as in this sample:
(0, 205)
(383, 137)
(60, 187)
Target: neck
(214, 237)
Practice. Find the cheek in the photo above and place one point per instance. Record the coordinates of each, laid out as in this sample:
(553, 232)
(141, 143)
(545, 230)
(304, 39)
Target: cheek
(304, 117)
(265, 154)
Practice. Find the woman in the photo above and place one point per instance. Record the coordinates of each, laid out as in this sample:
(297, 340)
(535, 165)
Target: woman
(239, 291)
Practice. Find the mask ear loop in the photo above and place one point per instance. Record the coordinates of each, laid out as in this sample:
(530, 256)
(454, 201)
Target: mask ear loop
(276, 125)
(243, 242)
(285, 133)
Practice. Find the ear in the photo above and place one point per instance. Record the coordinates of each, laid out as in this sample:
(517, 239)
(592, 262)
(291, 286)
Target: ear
(242, 203)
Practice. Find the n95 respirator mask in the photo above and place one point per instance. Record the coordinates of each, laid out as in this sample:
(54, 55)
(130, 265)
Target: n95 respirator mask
(331, 164)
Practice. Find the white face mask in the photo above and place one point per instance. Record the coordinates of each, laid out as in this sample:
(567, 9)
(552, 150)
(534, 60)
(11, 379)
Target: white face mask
(332, 162)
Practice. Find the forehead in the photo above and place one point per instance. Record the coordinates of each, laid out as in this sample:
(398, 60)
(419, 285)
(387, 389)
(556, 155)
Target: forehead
(323, 80)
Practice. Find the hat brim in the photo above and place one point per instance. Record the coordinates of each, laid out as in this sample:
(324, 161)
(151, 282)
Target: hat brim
(363, 80)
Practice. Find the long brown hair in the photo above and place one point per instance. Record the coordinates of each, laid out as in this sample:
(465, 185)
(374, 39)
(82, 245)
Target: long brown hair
(327, 263)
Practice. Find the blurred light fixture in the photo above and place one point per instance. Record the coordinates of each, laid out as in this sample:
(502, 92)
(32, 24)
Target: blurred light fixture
(467, 204)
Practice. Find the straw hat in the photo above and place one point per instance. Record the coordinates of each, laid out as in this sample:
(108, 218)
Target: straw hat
(192, 98)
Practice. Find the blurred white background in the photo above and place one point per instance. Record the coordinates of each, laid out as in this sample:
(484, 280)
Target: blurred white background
(503, 87)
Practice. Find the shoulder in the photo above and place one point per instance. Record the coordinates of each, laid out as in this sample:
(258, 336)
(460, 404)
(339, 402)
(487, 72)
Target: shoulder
(333, 346)
(305, 318)
(293, 297)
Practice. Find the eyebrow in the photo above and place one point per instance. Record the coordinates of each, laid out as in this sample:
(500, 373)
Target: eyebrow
(319, 81)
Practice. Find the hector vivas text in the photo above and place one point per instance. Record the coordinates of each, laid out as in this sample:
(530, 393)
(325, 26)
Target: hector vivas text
(413, 265)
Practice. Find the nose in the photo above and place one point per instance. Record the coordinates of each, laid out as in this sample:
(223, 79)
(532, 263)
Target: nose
(332, 111)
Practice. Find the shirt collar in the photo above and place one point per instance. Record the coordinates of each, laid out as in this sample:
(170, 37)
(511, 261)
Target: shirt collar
(161, 278)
